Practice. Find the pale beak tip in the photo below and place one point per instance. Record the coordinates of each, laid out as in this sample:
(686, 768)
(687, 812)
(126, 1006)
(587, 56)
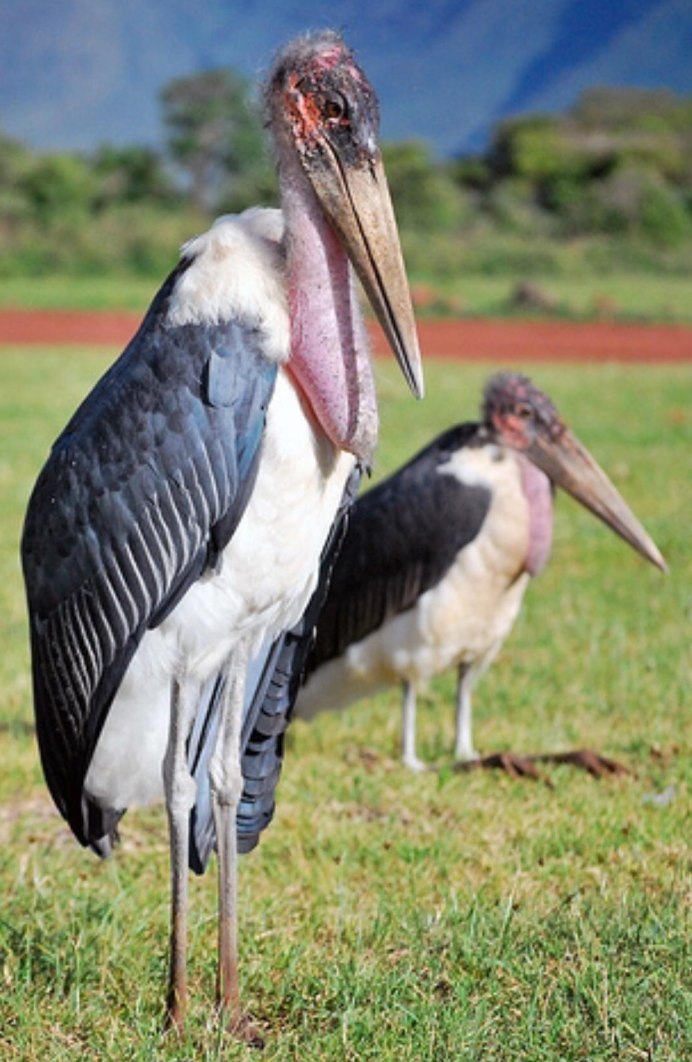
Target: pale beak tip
(652, 553)
(414, 372)
(660, 563)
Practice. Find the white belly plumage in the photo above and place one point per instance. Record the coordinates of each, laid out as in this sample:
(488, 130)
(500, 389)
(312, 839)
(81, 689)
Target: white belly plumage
(268, 572)
(439, 632)
(409, 646)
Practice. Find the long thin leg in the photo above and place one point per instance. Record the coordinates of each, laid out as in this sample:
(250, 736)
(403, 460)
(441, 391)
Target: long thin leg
(408, 728)
(226, 783)
(179, 790)
(463, 743)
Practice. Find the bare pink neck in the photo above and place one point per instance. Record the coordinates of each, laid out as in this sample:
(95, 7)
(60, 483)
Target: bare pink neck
(329, 349)
(538, 492)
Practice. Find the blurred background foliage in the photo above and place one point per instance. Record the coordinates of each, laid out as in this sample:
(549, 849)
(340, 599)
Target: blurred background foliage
(604, 187)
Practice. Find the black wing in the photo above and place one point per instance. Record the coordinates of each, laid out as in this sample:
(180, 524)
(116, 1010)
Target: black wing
(141, 492)
(402, 537)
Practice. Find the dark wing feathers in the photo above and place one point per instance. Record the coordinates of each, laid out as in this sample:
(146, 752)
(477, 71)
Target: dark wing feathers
(141, 492)
(402, 537)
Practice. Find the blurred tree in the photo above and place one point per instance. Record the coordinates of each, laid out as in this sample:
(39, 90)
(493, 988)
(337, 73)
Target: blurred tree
(619, 107)
(611, 174)
(636, 200)
(665, 219)
(214, 133)
(618, 162)
(424, 195)
(59, 187)
(15, 162)
(470, 171)
(540, 149)
(131, 174)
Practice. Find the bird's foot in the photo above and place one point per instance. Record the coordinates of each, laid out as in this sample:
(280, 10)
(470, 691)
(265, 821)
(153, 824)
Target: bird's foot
(173, 1026)
(414, 764)
(176, 1012)
(466, 755)
(525, 766)
(512, 764)
(588, 760)
(242, 1028)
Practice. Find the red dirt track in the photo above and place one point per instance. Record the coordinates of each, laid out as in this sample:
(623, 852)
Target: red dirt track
(473, 339)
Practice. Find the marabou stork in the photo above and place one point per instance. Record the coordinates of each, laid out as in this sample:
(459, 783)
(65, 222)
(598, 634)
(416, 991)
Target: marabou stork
(173, 539)
(436, 560)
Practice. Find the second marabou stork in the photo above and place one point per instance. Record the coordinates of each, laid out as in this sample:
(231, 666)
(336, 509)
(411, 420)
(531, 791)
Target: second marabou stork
(173, 539)
(437, 558)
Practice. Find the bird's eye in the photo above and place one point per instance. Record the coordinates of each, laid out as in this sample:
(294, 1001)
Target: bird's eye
(334, 108)
(524, 412)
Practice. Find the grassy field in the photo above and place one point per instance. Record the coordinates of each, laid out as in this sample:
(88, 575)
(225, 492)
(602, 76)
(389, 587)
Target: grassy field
(619, 296)
(77, 293)
(387, 916)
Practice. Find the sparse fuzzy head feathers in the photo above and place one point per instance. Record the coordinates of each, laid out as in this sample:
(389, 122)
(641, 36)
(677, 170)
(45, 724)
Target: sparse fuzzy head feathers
(318, 49)
(511, 398)
(312, 74)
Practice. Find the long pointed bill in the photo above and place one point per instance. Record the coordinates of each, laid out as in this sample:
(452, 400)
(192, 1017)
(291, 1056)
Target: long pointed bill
(356, 200)
(570, 465)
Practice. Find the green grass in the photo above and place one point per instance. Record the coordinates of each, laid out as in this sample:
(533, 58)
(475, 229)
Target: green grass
(387, 916)
(60, 292)
(620, 296)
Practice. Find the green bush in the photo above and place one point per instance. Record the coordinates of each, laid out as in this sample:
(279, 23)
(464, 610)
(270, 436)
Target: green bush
(605, 186)
(638, 201)
(425, 196)
(513, 207)
(664, 218)
(59, 186)
(132, 238)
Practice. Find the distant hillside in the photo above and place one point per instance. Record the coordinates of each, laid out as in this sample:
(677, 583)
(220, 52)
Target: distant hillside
(74, 73)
